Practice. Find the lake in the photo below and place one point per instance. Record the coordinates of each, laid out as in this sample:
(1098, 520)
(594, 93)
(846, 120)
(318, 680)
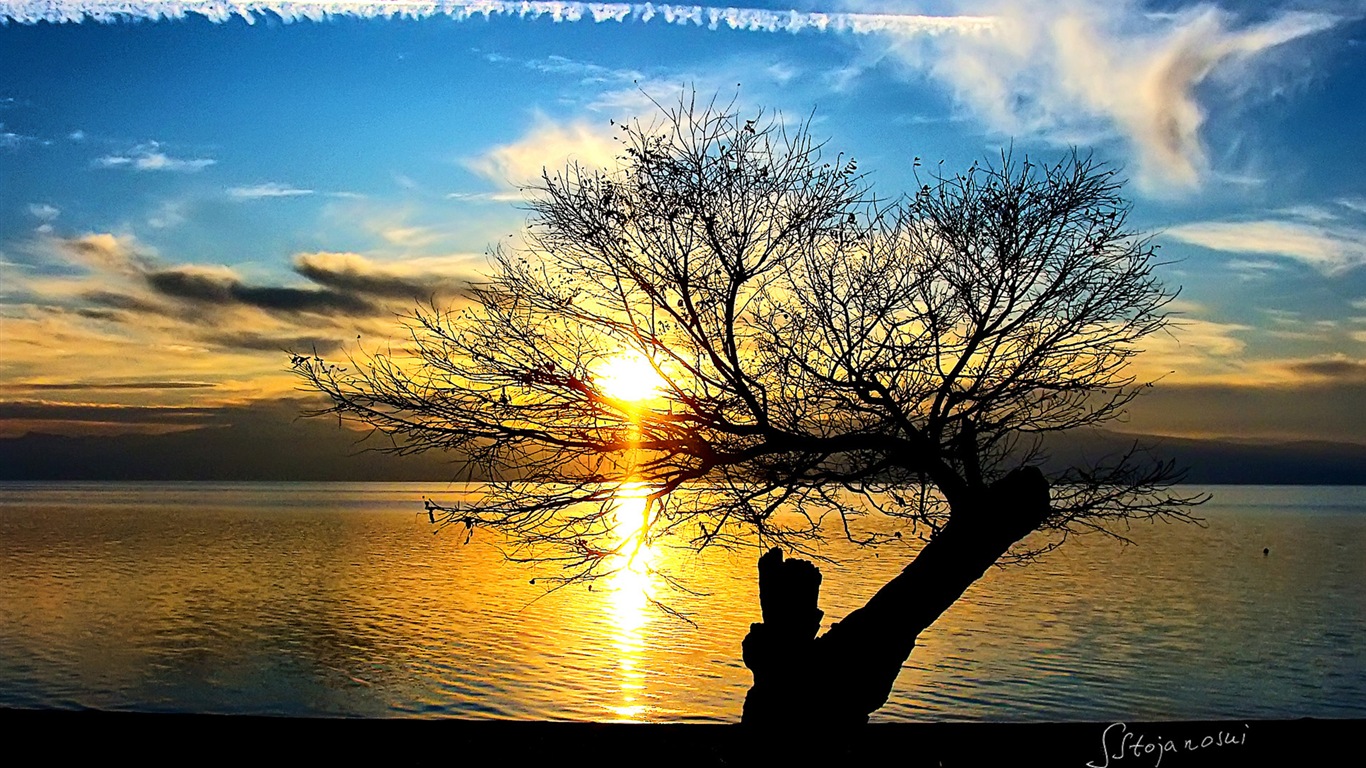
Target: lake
(338, 600)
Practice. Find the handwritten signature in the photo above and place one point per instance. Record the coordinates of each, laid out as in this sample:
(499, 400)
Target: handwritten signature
(1118, 743)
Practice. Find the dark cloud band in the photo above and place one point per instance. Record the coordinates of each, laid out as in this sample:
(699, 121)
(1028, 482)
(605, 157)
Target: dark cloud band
(74, 386)
(191, 285)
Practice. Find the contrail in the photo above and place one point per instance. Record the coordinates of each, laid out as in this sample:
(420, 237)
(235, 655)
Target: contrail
(752, 19)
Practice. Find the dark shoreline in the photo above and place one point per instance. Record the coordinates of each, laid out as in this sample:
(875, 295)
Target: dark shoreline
(282, 449)
(167, 738)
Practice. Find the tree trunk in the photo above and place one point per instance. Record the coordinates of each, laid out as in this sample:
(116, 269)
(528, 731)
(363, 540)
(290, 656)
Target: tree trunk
(841, 677)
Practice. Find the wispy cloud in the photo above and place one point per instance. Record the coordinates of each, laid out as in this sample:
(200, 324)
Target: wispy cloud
(43, 211)
(1197, 351)
(78, 386)
(584, 71)
(1331, 249)
(486, 197)
(1254, 269)
(169, 213)
(1193, 349)
(752, 19)
(1065, 69)
(267, 190)
(12, 140)
(1357, 204)
(150, 157)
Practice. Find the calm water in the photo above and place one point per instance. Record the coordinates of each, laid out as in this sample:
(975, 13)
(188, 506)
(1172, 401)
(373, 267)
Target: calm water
(325, 599)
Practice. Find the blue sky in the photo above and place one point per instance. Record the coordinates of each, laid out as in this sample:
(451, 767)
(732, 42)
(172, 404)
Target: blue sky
(179, 197)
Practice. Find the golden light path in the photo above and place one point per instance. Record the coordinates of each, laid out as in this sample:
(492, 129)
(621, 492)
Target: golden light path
(632, 586)
(629, 377)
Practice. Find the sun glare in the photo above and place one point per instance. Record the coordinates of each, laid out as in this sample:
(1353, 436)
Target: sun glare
(630, 377)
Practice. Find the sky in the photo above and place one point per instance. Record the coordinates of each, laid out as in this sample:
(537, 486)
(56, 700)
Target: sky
(187, 188)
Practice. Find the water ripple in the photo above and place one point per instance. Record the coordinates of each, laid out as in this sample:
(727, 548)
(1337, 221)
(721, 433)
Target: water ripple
(336, 600)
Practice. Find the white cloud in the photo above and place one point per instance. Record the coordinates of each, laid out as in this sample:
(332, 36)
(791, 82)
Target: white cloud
(753, 19)
(76, 135)
(1312, 213)
(781, 72)
(410, 237)
(44, 212)
(1063, 68)
(169, 214)
(1357, 204)
(1253, 269)
(1329, 249)
(12, 140)
(587, 72)
(266, 190)
(105, 253)
(546, 146)
(486, 197)
(149, 157)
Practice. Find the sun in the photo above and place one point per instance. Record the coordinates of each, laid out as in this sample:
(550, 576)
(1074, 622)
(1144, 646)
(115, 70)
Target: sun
(630, 377)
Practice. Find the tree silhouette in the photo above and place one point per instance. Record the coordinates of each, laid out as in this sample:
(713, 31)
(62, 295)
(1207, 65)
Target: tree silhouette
(821, 354)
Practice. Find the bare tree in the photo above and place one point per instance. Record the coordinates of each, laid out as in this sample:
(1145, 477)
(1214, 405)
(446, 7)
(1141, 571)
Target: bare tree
(822, 353)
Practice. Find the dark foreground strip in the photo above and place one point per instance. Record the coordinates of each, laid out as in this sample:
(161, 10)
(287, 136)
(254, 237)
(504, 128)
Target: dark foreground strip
(112, 737)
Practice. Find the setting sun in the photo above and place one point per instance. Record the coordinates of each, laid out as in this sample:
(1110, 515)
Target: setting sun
(629, 376)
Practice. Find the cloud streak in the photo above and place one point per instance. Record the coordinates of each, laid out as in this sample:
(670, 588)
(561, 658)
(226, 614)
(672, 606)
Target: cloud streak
(344, 284)
(749, 19)
(198, 285)
(149, 157)
(31, 409)
(100, 311)
(77, 386)
(1071, 69)
(267, 190)
(354, 274)
(1331, 250)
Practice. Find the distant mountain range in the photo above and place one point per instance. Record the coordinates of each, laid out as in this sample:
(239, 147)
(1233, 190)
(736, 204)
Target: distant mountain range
(262, 444)
(1229, 461)
(283, 448)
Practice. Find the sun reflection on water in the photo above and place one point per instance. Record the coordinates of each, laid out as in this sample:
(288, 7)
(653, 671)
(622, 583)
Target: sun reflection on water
(632, 585)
